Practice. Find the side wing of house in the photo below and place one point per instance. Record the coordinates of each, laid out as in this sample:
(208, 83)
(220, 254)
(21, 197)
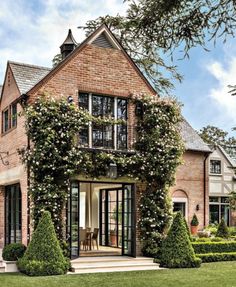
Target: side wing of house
(190, 192)
(222, 181)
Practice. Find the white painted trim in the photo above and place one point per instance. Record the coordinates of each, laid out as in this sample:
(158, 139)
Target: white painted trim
(182, 200)
(12, 175)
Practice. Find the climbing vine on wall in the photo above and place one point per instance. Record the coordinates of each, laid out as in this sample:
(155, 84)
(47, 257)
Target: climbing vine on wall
(54, 156)
(159, 152)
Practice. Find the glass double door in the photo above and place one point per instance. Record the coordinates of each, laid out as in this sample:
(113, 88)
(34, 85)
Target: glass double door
(13, 214)
(117, 218)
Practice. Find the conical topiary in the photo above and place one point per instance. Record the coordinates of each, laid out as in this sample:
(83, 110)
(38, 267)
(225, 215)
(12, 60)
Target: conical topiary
(222, 230)
(187, 228)
(44, 255)
(176, 250)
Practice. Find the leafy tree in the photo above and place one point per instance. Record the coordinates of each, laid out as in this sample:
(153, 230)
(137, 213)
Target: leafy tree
(154, 29)
(56, 60)
(177, 250)
(215, 136)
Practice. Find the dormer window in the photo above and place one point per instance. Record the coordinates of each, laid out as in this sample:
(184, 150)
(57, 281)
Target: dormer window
(215, 166)
(109, 136)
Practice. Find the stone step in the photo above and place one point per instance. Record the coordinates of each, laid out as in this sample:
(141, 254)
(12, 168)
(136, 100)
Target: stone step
(110, 259)
(109, 265)
(2, 269)
(112, 264)
(117, 269)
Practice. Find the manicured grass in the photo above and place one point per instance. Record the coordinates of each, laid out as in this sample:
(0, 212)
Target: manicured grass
(209, 275)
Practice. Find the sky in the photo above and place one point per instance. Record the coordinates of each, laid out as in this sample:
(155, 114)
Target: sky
(32, 31)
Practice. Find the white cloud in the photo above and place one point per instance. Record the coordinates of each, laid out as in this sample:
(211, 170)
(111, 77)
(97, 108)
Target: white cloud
(34, 37)
(225, 75)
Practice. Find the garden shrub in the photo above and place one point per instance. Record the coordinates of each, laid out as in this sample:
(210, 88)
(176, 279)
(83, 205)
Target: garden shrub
(214, 247)
(232, 231)
(203, 239)
(187, 228)
(222, 230)
(203, 234)
(13, 251)
(216, 239)
(44, 255)
(176, 250)
(212, 229)
(194, 221)
(214, 257)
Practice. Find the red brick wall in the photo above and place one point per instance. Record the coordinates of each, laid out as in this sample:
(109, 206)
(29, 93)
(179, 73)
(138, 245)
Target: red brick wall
(97, 70)
(190, 179)
(10, 142)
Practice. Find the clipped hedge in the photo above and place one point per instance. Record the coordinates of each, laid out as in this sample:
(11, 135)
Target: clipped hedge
(176, 249)
(214, 247)
(13, 251)
(215, 257)
(44, 255)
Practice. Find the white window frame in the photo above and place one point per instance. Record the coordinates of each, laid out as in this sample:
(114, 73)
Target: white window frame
(182, 200)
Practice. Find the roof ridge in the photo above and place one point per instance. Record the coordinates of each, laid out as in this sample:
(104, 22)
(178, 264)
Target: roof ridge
(29, 65)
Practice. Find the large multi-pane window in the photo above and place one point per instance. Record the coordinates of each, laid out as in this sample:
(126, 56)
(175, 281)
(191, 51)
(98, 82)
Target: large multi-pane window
(215, 166)
(219, 208)
(109, 136)
(9, 118)
(12, 214)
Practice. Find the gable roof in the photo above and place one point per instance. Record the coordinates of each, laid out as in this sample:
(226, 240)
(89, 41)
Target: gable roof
(191, 139)
(227, 156)
(103, 29)
(26, 76)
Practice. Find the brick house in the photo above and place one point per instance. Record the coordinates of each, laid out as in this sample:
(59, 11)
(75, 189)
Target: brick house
(97, 73)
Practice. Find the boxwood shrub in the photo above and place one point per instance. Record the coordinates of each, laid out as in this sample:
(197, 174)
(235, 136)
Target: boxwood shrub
(44, 255)
(214, 247)
(214, 257)
(13, 251)
(222, 230)
(176, 249)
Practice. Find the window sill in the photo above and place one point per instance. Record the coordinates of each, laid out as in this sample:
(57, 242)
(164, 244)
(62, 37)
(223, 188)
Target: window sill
(97, 149)
(8, 131)
(216, 174)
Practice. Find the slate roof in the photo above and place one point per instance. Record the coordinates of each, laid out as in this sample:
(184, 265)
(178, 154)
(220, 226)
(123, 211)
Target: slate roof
(27, 76)
(191, 139)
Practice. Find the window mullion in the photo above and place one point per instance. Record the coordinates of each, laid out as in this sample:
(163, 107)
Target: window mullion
(115, 125)
(90, 124)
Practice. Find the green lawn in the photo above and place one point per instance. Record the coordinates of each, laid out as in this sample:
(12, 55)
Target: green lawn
(210, 275)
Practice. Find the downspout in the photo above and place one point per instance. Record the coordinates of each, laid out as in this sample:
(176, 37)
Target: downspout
(28, 197)
(205, 187)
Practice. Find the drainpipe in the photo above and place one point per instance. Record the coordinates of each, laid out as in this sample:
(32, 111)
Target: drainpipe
(28, 197)
(205, 187)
